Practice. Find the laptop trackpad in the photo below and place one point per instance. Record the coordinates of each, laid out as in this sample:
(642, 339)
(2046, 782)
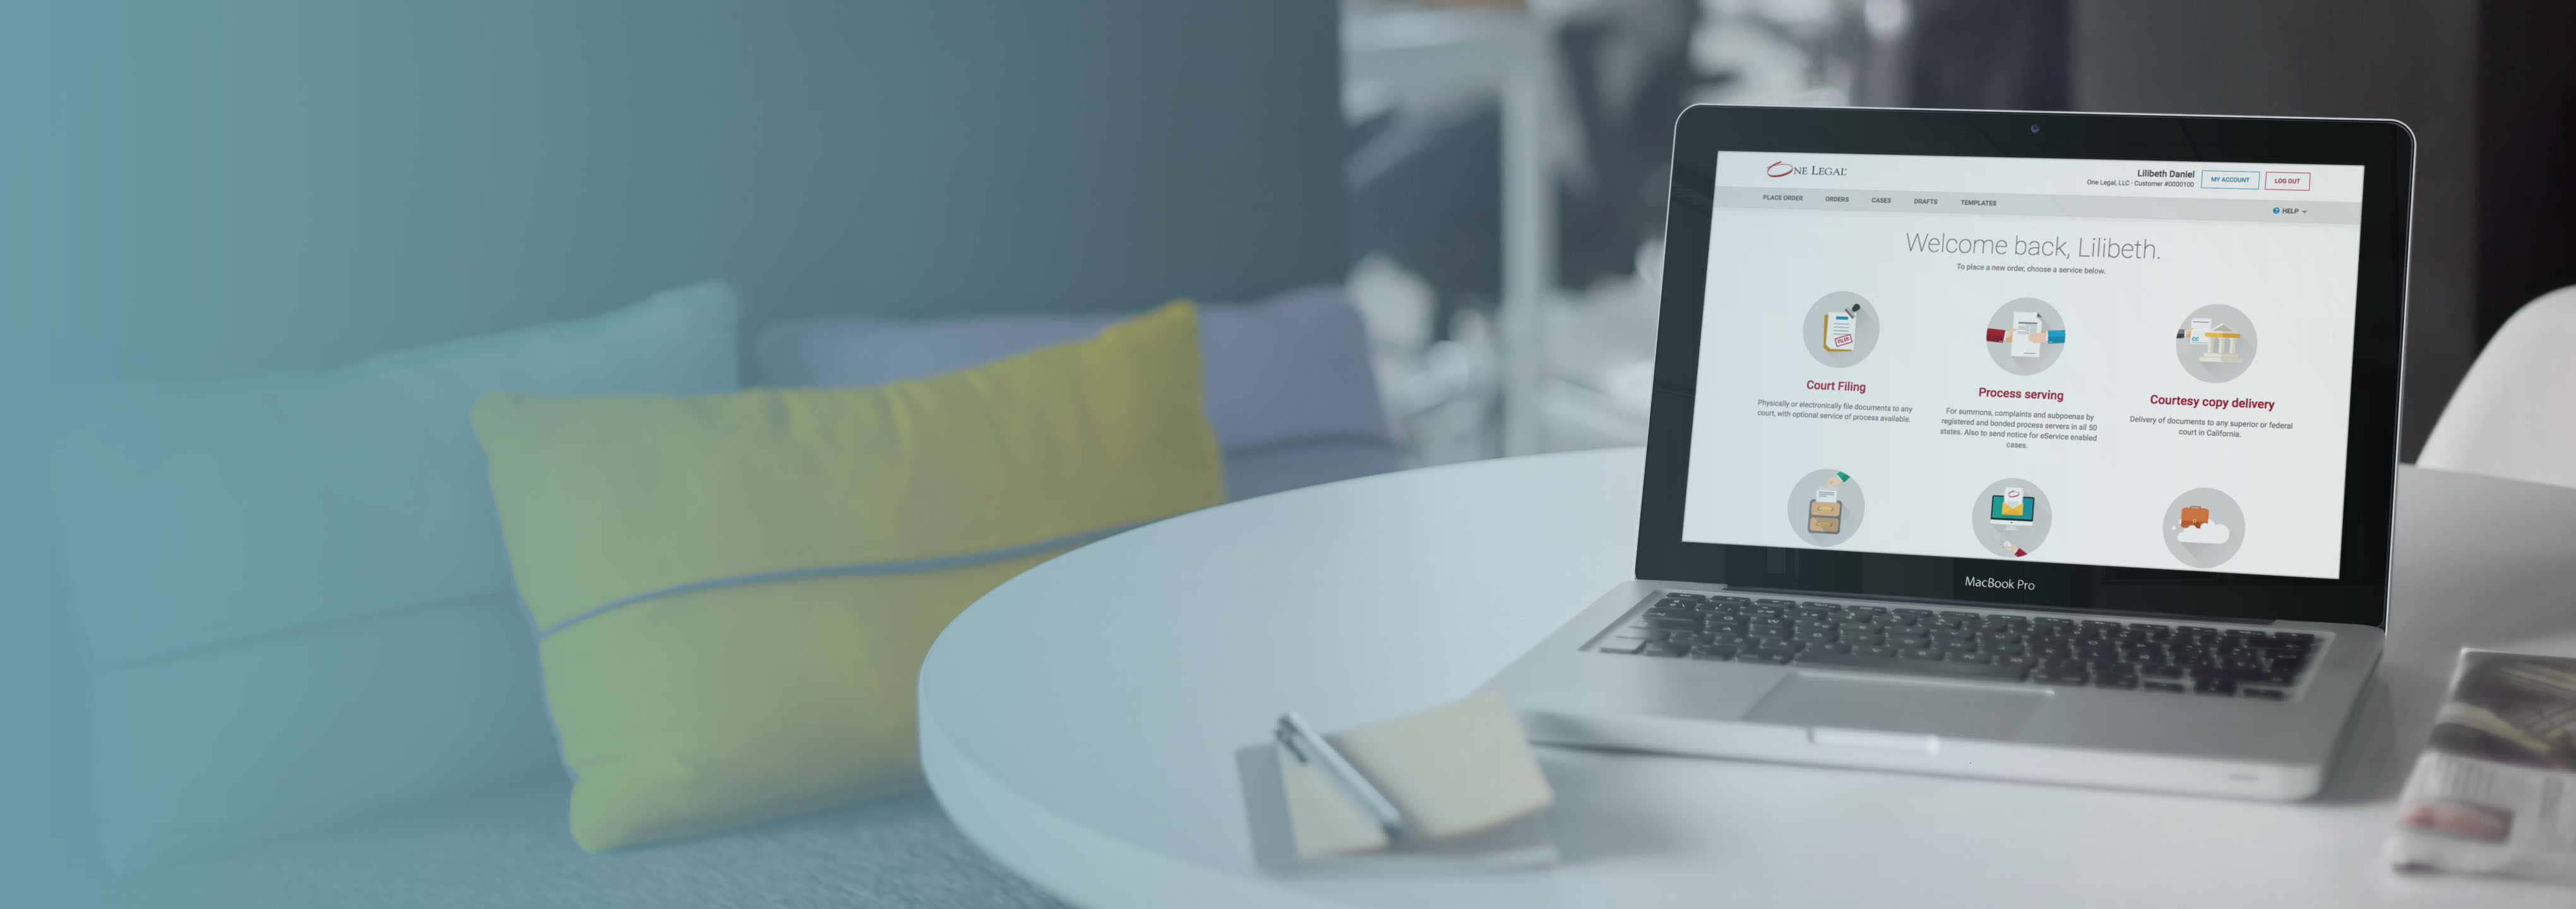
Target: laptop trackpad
(1893, 705)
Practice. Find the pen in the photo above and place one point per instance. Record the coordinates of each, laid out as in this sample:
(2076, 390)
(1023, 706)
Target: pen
(1311, 749)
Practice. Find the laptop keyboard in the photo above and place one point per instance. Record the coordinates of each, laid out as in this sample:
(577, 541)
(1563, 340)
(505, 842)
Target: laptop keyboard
(2167, 657)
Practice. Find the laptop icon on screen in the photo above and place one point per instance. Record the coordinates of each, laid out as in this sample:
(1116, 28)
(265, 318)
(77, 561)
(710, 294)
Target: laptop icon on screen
(2002, 513)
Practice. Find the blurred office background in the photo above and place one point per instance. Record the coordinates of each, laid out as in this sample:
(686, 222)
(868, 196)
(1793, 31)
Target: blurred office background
(1500, 162)
(196, 192)
(2492, 105)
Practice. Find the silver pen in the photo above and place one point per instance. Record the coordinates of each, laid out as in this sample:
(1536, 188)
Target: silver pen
(1310, 748)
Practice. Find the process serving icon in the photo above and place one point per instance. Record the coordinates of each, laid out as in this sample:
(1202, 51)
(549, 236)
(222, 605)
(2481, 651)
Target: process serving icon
(2025, 336)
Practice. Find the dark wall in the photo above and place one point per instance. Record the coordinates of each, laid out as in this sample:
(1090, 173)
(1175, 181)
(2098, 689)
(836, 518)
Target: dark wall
(203, 189)
(2526, 156)
(1991, 54)
(2412, 60)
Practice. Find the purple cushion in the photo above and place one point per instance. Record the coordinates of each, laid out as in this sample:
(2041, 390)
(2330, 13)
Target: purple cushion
(1289, 390)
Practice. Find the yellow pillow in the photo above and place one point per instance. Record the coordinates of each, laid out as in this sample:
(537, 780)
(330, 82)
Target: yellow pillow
(734, 593)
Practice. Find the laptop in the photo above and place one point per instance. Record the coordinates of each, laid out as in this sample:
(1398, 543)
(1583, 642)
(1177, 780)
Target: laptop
(2031, 446)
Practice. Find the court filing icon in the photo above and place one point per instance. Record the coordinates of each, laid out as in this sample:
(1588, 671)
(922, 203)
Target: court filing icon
(1842, 335)
(1841, 329)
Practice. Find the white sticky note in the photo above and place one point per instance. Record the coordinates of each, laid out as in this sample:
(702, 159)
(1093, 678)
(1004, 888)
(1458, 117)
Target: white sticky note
(1321, 818)
(1453, 770)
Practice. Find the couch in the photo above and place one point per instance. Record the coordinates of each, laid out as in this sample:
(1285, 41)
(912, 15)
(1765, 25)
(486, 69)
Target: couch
(290, 185)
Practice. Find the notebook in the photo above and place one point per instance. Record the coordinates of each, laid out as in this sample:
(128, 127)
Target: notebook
(1463, 775)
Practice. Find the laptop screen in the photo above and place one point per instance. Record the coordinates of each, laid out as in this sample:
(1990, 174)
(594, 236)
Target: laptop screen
(2144, 364)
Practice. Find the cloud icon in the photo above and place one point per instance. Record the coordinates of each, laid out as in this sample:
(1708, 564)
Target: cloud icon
(2210, 532)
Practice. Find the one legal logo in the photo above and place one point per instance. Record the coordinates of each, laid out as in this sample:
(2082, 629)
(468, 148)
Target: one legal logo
(1784, 168)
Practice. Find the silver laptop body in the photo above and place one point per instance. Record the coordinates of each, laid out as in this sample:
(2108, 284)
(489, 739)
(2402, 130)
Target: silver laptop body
(2237, 680)
(1575, 689)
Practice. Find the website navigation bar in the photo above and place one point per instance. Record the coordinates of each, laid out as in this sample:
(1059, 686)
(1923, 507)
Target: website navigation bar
(2153, 208)
(1939, 175)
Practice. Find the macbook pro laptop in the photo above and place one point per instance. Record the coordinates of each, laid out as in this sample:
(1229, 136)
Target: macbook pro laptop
(2050, 447)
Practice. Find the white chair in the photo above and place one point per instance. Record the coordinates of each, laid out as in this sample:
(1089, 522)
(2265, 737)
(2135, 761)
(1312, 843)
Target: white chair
(2514, 415)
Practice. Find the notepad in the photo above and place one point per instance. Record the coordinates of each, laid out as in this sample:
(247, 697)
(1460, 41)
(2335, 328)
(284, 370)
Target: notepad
(1462, 774)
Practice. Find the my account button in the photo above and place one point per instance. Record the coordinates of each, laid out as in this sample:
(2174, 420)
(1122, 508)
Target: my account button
(2230, 179)
(2288, 180)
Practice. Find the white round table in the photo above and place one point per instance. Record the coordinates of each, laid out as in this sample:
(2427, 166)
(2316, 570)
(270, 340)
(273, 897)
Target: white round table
(1081, 721)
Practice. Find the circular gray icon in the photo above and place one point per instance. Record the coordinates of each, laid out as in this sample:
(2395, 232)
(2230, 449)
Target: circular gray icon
(2010, 518)
(1825, 507)
(2215, 343)
(2025, 336)
(2204, 528)
(1840, 330)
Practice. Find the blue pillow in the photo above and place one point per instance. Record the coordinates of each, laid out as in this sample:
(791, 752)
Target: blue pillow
(303, 519)
(1289, 388)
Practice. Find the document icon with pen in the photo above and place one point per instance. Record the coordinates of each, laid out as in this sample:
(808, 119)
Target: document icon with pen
(1841, 333)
